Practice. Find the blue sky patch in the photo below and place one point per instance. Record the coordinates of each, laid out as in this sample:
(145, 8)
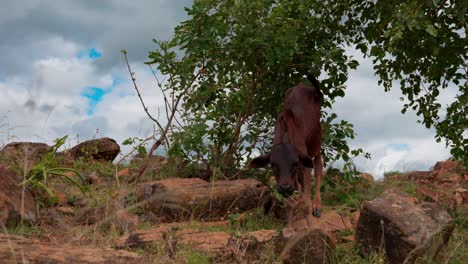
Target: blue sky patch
(93, 53)
(398, 147)
(95, 95)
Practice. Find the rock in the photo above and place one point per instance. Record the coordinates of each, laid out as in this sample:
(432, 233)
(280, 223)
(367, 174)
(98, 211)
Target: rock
(125, 173)
(13, 205)
(430, 193)
(249, 246)
(142, 238)
(200, 170)
(307, 246)
(409, 229)
(447, 166)
(105, 149)
(65, 159)
(92, 178)
(420, 176)
(176, 238)
(66, 210)
(181, 199)
(213, 244)
(367, 177)
(355, 218)
(311, 245)
(61, 197)
(18, 249)
(58, 219)
(330, 222)
(350, 238)
(25, 154)
(110, 214)
(461, 196)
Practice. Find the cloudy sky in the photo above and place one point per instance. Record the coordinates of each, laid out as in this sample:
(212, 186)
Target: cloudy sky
(62, 73)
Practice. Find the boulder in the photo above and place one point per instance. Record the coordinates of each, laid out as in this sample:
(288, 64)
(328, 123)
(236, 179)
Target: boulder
(182, 199)
(25, 154)
(329, 222)
(403, 227)
(18, 249)
(105, 149)
(306, 246)
(15, 203)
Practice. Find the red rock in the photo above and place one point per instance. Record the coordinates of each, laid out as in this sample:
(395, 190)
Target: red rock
(307, 246)
(446, 166)
(105, 149)
(14, 203)
(66, 210)
(367, 177)
(214, 244)
(424, 191)
(330, 222)
(350, 238)
(124, 173)
(62, 198)
(25, 154)
(463, 194)
(355, 218)
(410, 229)
(93, 178)
(419, 175)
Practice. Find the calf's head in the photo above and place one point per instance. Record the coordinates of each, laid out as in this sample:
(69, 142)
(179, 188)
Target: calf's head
(287, 163)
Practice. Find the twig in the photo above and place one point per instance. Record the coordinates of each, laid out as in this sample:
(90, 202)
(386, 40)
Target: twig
(176, 101)
(132, 75)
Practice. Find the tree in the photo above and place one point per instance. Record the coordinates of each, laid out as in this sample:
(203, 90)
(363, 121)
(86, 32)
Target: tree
(422, 44)
(250, 53)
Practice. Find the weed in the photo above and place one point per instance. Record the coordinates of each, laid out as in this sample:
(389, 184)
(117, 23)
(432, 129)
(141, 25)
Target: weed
(38, 175)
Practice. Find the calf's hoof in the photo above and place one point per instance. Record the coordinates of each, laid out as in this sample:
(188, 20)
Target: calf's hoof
(316, 212)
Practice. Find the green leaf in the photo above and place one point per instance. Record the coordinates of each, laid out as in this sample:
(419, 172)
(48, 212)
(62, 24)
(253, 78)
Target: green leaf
(431, 30)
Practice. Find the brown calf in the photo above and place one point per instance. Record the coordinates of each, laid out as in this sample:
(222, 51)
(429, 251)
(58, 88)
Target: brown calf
(297, 146)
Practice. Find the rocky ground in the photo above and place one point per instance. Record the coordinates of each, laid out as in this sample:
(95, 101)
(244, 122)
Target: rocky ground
(179, 214)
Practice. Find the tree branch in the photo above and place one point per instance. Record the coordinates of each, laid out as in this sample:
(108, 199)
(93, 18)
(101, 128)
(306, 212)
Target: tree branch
(175, 103)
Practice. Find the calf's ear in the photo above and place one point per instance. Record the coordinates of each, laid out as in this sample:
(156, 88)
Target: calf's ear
(260, 162)
(306, 161)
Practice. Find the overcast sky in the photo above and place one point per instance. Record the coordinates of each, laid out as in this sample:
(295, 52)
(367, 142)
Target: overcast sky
(62, 73)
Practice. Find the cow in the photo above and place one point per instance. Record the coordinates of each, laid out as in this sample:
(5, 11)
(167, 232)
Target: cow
(297, 148)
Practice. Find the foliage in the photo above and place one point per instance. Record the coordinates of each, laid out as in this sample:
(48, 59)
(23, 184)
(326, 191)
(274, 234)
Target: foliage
(38, 175)
(248, 54)
(139, 145)
(422, 44)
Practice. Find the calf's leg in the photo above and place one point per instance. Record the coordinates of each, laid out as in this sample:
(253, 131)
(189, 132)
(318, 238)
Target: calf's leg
(307, 181)
(317, 201)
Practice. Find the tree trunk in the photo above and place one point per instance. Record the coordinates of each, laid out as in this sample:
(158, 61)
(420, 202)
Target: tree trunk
(179, 199)
(18, 249)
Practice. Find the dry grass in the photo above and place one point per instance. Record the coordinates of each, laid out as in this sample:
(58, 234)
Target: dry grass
(336, 195)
